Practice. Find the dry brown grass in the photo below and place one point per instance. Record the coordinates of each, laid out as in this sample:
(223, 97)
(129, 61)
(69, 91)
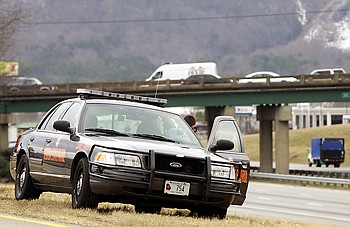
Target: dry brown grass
(300, 140)
(57, 207)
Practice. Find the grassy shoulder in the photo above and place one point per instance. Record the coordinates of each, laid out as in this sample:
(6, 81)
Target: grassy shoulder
(300, 142)
(57, 207)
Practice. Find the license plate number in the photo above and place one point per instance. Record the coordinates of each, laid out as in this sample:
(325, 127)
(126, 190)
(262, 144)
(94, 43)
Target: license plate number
(177, 188)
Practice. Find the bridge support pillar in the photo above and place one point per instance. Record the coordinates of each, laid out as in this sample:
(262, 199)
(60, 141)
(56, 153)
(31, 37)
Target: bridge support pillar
(5, 119)
(265, 143)
(281, 115)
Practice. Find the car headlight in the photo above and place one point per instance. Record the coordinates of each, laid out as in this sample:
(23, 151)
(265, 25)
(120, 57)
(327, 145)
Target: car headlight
(105, 158)
(117, 159)
(223, 172)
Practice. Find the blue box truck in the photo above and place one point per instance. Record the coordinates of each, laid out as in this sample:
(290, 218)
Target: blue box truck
(326, 151)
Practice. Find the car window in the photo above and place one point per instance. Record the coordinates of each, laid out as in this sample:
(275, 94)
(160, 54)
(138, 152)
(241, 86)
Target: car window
(72, 113)
(323, 73)
(54, 116)
(338, 71)
(227, 130)
(135, 120)
(30, 82)
(158, 75)
(208, 76)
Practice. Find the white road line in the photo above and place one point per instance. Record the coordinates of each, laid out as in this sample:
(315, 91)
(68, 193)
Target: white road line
(315, 204)
(264, 198)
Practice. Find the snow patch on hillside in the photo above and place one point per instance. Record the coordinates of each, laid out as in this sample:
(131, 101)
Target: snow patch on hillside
(302, 12)
(342, 35)
(333, 34)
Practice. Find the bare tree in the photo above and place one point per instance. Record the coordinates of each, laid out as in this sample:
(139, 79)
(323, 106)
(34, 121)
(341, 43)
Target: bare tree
(11, 16)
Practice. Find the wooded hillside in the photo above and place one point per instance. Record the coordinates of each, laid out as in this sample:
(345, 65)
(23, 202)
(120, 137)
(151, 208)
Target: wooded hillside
(110, 40)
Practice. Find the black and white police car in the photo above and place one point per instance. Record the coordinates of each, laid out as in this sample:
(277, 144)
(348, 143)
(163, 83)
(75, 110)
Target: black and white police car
(112, 147)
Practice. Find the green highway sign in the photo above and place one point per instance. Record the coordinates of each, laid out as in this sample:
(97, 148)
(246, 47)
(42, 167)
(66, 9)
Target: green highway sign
(345, 95)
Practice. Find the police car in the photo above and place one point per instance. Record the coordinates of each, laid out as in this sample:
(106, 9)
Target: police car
(104, 146)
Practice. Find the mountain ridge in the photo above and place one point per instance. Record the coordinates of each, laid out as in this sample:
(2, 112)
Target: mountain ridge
(72, 41)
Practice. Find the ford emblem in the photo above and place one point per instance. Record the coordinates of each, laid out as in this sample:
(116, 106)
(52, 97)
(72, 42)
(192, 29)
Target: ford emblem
(175, 165)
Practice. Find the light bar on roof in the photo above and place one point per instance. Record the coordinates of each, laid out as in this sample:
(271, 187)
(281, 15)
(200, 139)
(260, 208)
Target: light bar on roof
(85, 93)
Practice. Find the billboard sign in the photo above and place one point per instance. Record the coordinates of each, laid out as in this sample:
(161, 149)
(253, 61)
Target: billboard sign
(8, 68)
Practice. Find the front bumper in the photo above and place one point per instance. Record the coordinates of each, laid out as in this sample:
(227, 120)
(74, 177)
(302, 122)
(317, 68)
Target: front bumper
(133, 185)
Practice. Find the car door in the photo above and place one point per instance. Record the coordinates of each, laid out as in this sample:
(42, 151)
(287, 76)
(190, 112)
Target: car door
(225, 127)
(37, 143)
(53, 150)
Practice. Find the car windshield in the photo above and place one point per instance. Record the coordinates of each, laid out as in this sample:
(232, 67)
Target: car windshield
(137, 122)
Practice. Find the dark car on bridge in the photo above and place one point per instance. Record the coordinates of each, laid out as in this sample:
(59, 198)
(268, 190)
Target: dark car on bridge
(111, 147)
(205, 79)
(15, 84)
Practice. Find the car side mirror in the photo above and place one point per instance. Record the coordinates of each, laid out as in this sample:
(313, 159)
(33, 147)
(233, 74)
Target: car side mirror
(222, 144)
(64, 126)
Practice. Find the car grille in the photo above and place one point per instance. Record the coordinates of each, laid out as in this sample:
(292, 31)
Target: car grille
(190, 166)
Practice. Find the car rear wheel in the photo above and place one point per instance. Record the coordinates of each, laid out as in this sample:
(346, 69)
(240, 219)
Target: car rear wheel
(82, 196)
(318, 163)
(24, 188)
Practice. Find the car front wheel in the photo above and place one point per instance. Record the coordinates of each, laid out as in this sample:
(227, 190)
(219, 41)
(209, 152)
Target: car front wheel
(82, 196)
(24, 188)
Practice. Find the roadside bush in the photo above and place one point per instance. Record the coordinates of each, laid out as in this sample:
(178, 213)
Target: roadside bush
(5, 164)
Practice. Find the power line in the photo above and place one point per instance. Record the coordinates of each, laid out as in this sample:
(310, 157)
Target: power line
(183, 19)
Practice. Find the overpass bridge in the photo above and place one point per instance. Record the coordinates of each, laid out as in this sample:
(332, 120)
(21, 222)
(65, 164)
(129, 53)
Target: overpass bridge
(271, 99)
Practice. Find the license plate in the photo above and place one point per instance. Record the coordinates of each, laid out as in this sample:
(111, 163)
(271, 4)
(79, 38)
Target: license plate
(177, 188)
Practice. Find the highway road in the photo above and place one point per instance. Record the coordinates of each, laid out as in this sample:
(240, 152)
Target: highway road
(16, 221)
(296, 203)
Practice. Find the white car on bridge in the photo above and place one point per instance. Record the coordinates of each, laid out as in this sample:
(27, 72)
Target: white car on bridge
(261, 77)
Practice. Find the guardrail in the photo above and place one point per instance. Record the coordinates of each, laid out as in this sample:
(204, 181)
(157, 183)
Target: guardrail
(311, 173)
(302, 179)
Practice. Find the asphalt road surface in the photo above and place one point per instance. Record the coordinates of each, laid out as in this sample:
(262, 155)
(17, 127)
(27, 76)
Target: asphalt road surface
(296, 203)
(16, 221)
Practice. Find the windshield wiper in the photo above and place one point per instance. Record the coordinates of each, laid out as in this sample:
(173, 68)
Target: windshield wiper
(155, 137)
(107, 131)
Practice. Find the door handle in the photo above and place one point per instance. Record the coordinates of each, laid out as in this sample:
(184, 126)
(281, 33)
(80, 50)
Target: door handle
(48, 140)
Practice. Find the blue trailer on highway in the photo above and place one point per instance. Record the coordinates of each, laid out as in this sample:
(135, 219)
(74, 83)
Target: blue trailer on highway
(326, 151)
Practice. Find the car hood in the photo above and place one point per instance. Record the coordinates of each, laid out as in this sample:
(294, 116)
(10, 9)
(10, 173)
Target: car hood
(145, 145)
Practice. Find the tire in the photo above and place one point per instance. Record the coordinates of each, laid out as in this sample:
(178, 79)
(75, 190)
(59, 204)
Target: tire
(337, 165)
(82, 196)
(147, 209)
(318, 163)
(24, 188)
(309, 162)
